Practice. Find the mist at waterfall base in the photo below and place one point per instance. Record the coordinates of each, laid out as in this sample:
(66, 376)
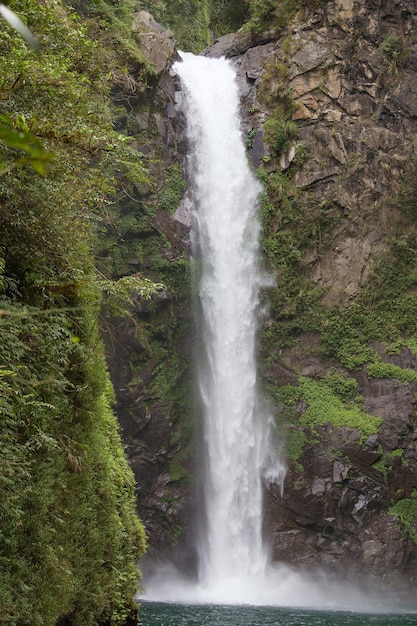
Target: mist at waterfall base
(240, 451)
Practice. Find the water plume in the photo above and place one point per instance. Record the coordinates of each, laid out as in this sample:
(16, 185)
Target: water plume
(240, 454)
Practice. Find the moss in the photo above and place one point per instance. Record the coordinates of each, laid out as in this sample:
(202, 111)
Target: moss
(378, 369)
(395, 51)
(173, 188)
(332, 400)
(324, 406)
(295, 442)
(273, 92)
(178, 471)
(381, 465)
(279, 134)
(408, 191)
(344, 388)
(406, 512)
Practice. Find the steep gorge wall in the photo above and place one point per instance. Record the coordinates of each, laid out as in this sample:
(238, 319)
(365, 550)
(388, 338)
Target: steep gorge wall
(330, 112)
(149, 352)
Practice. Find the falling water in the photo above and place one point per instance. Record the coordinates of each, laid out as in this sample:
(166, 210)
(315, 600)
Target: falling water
(239, 456)
(225, 242)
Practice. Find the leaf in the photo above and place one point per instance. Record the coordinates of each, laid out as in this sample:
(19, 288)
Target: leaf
(38, 163)
(26, 141)
(16, 23)
(16, 138)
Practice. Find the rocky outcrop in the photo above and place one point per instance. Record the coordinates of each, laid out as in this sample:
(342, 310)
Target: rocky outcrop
(335, 508)
(356, 113)
(156, 43)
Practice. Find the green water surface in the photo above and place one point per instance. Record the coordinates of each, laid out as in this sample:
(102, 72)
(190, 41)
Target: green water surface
(160, 614)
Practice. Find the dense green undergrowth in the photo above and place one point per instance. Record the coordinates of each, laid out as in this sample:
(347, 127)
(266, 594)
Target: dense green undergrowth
(332, 401)
(197, 23)
(406, 511)
(211, 19)
(70, 536)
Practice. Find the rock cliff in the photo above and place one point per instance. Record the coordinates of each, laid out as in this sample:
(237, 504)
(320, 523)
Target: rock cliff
(329, 108)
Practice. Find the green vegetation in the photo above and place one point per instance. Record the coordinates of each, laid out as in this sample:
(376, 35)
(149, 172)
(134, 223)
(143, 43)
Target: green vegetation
(385, 460)
(19, 26)
(173, 189)
(197, 23)
(395, 51)
(227, 16)
(378, 369)
(69, 534)
(272, 16)
(279, 134)
(332, 400)
(188, 19)
(406, 512)
(119, 296)
(408, 192)
(267, 15)
(69, 531)
(324, 406)
(384, 311)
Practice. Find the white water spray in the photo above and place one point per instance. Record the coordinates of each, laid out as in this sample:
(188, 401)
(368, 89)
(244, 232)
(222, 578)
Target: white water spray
(225, 241)
(238, 451)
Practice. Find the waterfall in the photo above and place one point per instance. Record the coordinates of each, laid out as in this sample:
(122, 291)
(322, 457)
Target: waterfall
(238, 454)
(225, 232)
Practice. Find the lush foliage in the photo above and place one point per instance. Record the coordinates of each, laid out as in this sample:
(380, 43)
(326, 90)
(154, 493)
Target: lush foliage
(70, 536)
(324, 406)
(406, 512)
(188, 19)
(269, 14)
(119, 296)
(332, 400)
(272, 15)
(197, 23)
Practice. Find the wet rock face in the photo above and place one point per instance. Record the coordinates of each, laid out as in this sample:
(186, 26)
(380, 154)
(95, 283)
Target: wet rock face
(335, 508)
(147, 363)
(356, 114)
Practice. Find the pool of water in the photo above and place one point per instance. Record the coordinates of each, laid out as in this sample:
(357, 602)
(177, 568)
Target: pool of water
(170, 614)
